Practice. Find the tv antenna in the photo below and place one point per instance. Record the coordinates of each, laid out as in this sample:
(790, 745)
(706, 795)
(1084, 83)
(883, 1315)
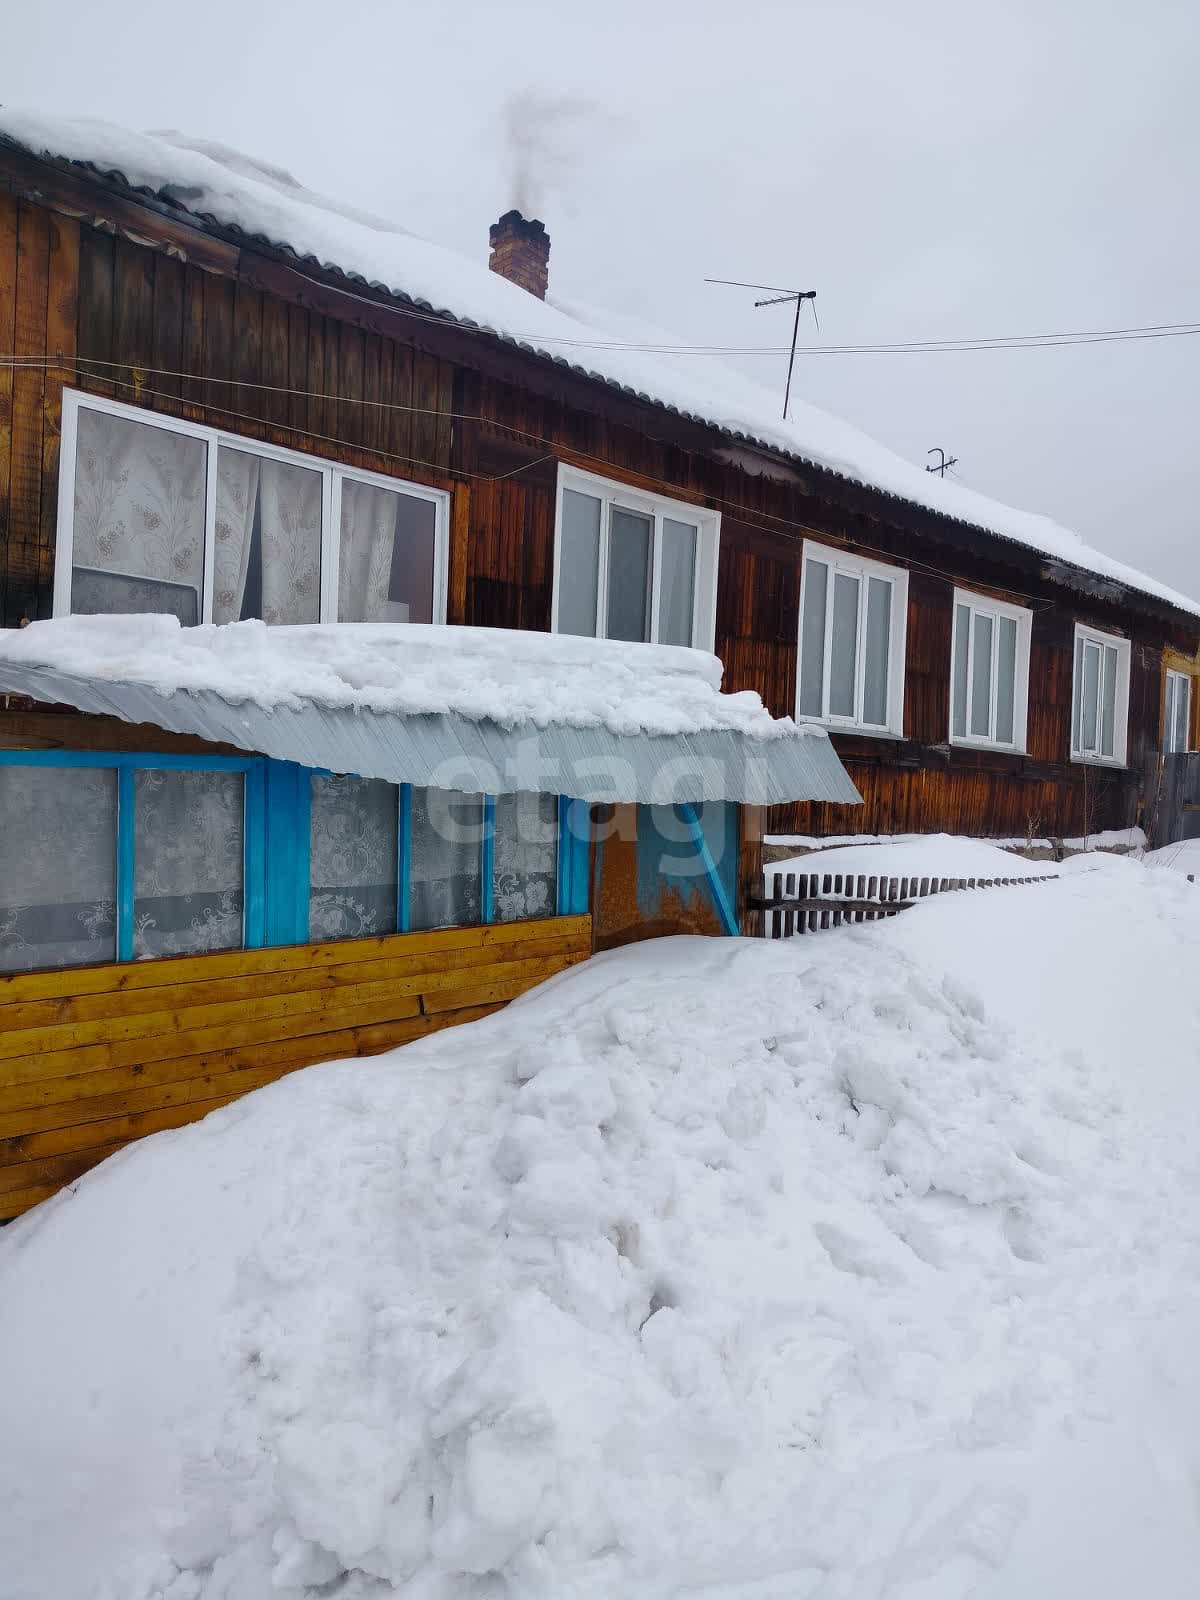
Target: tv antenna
(943, 466)
(780, 297)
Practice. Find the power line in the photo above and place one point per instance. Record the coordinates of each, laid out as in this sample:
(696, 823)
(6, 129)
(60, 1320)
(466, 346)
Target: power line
(795, 532)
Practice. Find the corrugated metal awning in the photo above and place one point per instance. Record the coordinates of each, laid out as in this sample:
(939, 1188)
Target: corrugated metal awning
(453, 752)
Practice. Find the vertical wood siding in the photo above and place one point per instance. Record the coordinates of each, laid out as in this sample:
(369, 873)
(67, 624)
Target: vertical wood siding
(257, 350)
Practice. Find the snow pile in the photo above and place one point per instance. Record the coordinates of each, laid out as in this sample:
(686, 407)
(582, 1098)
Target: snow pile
(745, 1270)
(237, 191)
(513, 678)
(934, 855)
(1182, 857)
(1106, 839)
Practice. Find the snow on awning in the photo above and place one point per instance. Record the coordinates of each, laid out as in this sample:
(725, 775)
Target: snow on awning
(470, 709)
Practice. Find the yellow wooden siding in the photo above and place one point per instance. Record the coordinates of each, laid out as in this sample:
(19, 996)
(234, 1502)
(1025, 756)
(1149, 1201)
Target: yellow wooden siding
(93, 1057)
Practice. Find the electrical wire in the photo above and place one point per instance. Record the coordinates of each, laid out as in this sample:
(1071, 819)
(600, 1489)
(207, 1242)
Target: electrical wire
(784, 527)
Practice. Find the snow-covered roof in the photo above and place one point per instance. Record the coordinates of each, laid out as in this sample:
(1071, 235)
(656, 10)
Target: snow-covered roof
(459, 708)
(265, 202)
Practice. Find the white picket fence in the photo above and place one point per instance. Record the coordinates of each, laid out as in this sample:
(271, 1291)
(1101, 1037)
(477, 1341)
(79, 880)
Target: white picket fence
(804, 902)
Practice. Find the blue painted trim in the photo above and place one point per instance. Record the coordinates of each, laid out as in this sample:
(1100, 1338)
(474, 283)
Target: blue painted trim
(724, 909)
(403, 856)
(579, 839)
(288, 807)
(487, 866)
(124, 760)
(565, 861)
(125, 864)
(255, 857)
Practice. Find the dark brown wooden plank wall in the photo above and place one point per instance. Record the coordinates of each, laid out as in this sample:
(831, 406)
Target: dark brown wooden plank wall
(365, 387)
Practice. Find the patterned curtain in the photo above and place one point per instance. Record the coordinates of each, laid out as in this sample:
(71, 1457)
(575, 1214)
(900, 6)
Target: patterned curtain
(445, 877)
(58, 867)
(526, 856)
(290, 511)
(353, 856)
(188, 862)
(368, 536)
(237, 498)
(139, 517)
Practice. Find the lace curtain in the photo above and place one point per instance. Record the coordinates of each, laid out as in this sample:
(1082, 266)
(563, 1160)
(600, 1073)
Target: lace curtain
(188, 862)
(268, 536)
(385, 572)
(58, 867)
(139, 518)
(353, 858)
(445, 875)
(526, 857)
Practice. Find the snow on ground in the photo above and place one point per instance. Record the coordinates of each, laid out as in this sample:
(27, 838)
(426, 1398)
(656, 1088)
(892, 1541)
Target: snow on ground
(1183, 857)
(505, 675)
(934, 855)
(862, 1267)
(265, 201)
(1106, 839)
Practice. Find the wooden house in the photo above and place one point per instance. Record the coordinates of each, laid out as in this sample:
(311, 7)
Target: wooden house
(223, 398)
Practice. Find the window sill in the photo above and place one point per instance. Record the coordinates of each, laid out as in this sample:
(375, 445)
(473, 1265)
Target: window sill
(1099, 761)
(851, 730)
(987, 746)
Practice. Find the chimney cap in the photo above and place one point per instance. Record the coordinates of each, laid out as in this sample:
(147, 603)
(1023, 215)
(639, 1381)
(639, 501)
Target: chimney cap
(513, 222)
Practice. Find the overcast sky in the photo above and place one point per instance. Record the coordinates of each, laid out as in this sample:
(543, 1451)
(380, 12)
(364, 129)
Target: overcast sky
(932, 169)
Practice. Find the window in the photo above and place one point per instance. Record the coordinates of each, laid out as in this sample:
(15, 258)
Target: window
(989, 680)
(1177, 707)
(120, 857)
(633, 566)
(123, 857)
(157, 514)
(852, 633)
(1100, 698)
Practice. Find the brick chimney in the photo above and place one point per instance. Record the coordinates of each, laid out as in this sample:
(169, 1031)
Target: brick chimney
(521, 252)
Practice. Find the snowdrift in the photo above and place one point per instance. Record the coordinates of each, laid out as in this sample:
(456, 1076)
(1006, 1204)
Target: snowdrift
(720, 1268)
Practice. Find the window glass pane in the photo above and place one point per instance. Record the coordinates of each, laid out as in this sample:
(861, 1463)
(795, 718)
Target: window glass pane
(962, 641)
(187, 875)
(1077, 700)
(58, 866)
(1183, 695)
(353, 858)
(526, 856)
(812, 640)
(1091, 698)
(386, 568)
(629, 535)
(1006, 680)
(579, 551)
(446, 854)
(844, 652)
(676, 602)
(875, 663)
(138, 541)
(268, 557)
(1108, 703)
(981, 677)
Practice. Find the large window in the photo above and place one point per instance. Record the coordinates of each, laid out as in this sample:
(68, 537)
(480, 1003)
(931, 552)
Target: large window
(633, 566)
(1177, 708)
(1100, 697)
(852, 633)
(989, 681)
(111, 857)
(156, 514)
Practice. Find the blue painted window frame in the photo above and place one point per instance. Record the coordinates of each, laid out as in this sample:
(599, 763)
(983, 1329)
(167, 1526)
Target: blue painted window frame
(277, 798)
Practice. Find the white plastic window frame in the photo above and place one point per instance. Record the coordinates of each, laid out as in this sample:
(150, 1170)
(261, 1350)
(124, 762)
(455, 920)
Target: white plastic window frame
(1183, 685)
(708, 548)
(1110, 641)
(333, 475)
(862, 568)
(978, 604)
